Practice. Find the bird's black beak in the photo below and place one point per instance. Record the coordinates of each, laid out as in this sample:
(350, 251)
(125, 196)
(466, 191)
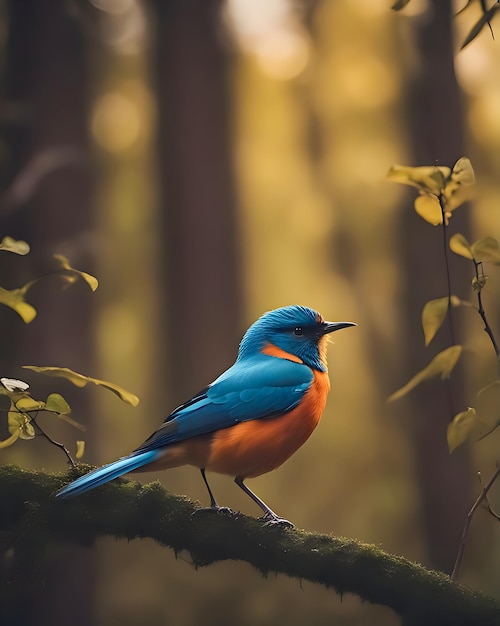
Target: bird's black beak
(330, 327)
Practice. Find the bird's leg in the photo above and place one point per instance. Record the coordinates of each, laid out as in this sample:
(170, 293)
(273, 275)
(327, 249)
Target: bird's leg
(213, 503)
(270, 516)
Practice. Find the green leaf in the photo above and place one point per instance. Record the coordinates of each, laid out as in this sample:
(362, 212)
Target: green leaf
(429, 209)
(80, 380)
(17, 247)
(434, 314)
(63, 264)
(486, 250)
(14, 299)
(429, 179)
(459, 245)
(12, 439)
(80, 449)
(57, 404)
(479, 25)
(20, 423)
(441, 365)
(464, 424)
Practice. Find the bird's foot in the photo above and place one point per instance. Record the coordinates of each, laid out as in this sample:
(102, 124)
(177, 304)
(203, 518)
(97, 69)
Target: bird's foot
(220, 510)
(274, 520)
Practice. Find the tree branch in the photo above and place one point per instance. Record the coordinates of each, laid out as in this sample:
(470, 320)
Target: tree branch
(29, 516)
(482, 496)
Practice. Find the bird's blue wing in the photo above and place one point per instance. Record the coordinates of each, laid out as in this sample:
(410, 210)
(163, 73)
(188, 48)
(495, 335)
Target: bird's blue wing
(254, 388)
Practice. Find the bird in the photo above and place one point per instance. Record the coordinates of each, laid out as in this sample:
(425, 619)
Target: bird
(251, 418)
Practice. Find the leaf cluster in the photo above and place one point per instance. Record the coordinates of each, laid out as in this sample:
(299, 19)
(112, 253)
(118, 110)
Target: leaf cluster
(441, 191)
(16, 298)
(22, 409)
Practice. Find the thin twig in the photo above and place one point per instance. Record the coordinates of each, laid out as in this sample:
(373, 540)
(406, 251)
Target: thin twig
(53, 441)
(447, 267)
(486, 499)
(470, 515)
(488, 432)
(448, 284)
(481, 311)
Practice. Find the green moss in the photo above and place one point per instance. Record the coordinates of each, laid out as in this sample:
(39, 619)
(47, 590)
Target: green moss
(31, 519)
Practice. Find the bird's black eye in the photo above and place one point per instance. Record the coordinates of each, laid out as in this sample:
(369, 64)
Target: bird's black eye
(298, 331)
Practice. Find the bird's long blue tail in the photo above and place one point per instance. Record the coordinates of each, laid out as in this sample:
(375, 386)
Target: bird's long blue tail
(107, 473)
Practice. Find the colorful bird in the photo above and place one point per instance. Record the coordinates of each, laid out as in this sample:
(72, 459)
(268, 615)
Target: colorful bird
(252, 418)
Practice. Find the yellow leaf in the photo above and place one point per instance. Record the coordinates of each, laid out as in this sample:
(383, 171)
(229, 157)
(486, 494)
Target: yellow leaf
(486, 250)
(64, 265)
(17, 247)
(429, 179)
(27, 404)
(429, 209)
(15, 300)
(464, 424)
(434, 314)
(454, 195)
(80, 380)
(12, 439)
(70, 420)
(459, 245)
(80, 449)
(441, 365)
(463, 172)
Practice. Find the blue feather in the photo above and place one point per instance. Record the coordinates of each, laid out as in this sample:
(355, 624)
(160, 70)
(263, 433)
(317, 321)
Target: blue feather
(277, 328)
(260, 387)
(107, 473)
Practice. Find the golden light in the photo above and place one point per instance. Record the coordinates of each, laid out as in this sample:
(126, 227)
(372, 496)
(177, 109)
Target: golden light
(283, 56)
(271, 31)
(116, 122)
(484, 119)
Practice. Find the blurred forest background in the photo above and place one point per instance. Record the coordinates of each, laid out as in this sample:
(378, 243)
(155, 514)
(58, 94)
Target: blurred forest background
(210, 160)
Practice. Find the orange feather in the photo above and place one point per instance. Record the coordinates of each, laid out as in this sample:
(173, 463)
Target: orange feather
(255, 447)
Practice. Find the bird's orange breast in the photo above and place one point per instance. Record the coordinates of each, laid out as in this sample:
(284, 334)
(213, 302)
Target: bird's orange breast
(255, 447)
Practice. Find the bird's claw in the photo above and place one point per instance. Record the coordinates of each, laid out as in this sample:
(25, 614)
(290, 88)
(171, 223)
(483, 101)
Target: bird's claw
(274, 520)
(219, 510)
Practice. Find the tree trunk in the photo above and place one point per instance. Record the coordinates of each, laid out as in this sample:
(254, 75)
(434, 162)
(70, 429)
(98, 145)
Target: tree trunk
(203, 282)
(50, 207)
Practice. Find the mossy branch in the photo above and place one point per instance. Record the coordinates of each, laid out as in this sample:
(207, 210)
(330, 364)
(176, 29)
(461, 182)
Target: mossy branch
(30, 516)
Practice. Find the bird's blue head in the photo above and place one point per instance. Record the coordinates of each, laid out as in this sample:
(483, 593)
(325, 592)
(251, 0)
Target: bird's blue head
(297, 330)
